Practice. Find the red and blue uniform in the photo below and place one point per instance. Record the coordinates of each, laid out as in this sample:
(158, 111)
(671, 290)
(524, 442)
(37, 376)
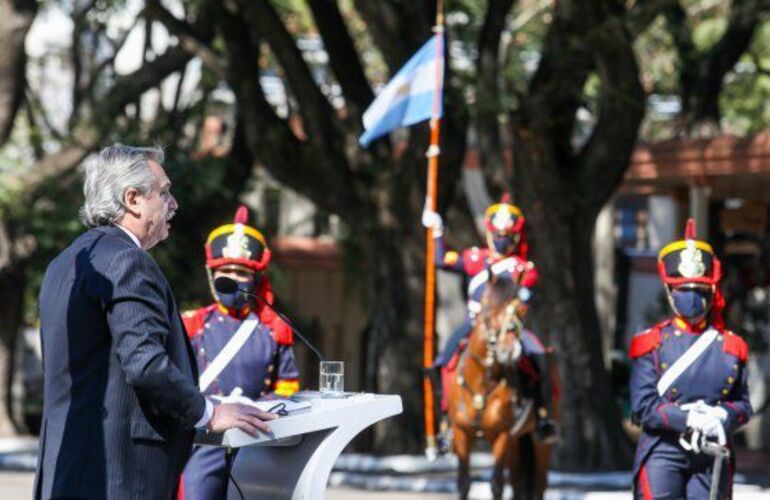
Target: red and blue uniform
(262, 366)
(504, 258)
(478, 265)
(662, 467)
(679, 365)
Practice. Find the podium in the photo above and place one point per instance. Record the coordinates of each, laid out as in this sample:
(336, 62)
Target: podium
(296, 458)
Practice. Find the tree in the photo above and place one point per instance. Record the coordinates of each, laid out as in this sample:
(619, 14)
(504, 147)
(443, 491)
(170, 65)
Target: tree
(528, 89)
(562, 189)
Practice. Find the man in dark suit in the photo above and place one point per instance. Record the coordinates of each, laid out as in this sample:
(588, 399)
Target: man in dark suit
(121, 397)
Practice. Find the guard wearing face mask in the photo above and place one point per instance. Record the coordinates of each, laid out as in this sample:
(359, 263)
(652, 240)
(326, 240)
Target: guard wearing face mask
(688, 382)
(504, 257)
(242, 347)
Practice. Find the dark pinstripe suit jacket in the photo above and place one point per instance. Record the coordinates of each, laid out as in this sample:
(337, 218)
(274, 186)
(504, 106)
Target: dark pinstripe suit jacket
(120, 397)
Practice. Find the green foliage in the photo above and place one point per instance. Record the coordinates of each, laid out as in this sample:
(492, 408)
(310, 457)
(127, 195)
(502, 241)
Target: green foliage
(747, 89)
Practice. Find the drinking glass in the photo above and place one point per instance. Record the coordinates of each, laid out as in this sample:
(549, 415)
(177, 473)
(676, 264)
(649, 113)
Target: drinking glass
(332, 378)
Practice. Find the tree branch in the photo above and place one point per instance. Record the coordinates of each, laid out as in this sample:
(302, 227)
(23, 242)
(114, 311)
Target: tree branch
(86, 138)
(398, 28)
(16, 18)
(744, 18)
(343, 57)
(702, 74)
(270, 139)
(318, 116)
(557, 86)
(195, 39)
(607, 152)
(644, 12)
(488, 90)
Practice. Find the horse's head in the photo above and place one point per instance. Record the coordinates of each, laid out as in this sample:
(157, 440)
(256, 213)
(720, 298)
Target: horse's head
(501, 314)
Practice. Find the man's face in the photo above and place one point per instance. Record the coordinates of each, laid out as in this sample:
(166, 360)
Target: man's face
(156, 209)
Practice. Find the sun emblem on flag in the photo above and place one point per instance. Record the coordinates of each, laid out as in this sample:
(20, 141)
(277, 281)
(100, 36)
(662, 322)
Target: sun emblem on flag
(237, 245)
(691, 262)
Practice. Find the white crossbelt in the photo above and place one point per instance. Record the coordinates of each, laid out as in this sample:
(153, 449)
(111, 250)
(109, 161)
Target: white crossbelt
(227, 353)
(686, 359)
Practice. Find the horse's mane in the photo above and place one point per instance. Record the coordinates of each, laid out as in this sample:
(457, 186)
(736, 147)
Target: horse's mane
(500, 292)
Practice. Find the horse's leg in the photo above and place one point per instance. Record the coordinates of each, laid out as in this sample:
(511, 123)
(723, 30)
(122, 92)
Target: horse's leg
(542, 459)
(501, 444)
(515, 475)
(463, 444)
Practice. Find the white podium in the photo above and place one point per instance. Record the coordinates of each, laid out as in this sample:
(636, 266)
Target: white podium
(296, 458)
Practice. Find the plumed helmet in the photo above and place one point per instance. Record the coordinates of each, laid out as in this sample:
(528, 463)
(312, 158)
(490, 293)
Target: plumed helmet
(237, 243)
(503, 217)
(504, 224)
(689, 261)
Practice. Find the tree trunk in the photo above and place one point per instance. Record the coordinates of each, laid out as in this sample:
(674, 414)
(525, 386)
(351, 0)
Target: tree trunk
(395, 305)
(561, 227)
(12, 285)
(15, 21)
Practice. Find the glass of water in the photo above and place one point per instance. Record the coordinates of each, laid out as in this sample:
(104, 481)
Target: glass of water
(332, 379)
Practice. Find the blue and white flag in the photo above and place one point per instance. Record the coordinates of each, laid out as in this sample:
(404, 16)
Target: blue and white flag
(410, 96)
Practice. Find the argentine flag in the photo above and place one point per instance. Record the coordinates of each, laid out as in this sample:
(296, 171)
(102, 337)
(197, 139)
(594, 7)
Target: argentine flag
(409, 97)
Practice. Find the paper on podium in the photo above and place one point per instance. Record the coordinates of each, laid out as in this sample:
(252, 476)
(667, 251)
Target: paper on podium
(273, 405)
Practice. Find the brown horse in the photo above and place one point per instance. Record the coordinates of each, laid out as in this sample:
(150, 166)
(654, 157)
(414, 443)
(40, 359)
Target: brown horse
(486, 399)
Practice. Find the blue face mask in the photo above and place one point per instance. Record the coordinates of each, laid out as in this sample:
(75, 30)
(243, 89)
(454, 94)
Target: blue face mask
(691, 304)
(503, 244)
(237, 300)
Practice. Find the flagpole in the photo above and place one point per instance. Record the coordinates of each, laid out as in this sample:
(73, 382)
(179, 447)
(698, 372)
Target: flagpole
(430, 265)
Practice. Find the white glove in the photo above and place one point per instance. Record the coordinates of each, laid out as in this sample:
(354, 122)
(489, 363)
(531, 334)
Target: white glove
(696, 419)
(714, 411)
(713, 428)
(705, 421)
(432, 220)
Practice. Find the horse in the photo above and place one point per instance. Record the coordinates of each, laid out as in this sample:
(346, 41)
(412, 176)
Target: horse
(486, 398)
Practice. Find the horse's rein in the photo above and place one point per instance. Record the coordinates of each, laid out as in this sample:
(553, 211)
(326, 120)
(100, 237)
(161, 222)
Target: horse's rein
(511, 317)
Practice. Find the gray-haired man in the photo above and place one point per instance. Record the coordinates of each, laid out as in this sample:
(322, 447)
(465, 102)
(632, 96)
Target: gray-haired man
(121, 400)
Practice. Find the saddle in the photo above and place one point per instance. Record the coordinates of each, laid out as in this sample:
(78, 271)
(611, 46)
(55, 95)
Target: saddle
(530, 376)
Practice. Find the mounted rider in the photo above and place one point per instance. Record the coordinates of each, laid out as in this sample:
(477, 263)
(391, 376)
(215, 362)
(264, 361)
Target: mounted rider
(252, 341)
(505, 256)
(688, 380)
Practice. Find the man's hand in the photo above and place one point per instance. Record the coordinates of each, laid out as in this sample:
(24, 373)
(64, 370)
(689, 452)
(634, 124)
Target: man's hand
(235, 415)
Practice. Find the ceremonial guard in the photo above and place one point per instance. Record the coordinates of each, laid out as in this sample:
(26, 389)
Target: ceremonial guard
(504, 257)
(242, 347)
(688, 383)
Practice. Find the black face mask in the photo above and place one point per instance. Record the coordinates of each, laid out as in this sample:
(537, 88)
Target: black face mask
(691, 303)
(237, 300)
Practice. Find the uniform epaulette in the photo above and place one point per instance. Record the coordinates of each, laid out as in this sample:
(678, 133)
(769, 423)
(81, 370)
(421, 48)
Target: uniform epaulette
(644, 342)
(451, 258)
(195, 320)
(474, 260)
(735, 345)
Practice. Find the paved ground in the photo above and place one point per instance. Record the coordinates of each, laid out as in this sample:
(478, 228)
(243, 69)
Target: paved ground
(17, 459)
(18, 485)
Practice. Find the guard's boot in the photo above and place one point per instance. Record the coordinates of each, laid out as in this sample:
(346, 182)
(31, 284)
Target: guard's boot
(545, 426)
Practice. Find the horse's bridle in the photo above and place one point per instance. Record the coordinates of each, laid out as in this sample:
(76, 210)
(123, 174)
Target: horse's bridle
(492, 336)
